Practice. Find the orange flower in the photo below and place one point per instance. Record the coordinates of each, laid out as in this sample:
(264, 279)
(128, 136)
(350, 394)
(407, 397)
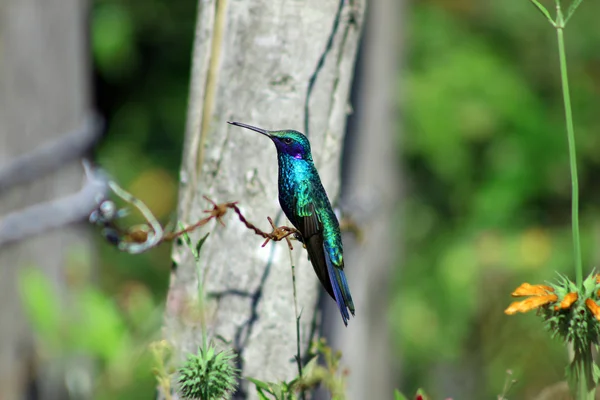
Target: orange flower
(532, 290)
(593, 307)
(567, 301)
(530, 303)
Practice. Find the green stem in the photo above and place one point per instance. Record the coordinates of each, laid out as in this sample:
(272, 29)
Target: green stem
(572, 149)
(298, 354)
(583, 392)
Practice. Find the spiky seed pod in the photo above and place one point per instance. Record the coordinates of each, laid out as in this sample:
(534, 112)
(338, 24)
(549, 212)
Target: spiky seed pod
(208, 375)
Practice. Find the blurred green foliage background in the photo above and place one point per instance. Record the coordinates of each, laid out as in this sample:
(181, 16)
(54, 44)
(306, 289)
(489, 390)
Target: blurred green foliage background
(487, 203)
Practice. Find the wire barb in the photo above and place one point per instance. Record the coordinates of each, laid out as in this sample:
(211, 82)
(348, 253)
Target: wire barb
(142, 237)
(220, 209)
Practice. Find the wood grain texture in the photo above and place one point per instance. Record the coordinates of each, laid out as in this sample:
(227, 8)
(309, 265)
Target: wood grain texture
(254, 62)
(44, 93)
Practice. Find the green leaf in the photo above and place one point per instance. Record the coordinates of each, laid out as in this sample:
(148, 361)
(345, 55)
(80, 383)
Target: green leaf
(589, 286)
(200, 244)
(41, 303)
(188, 241)
(289, 385)
(543, 10)
(572, 9)
(310, 365)
(399, 396)
(209, 354)
(277, 390)
(186, 238)
(260, 384)
(261, 394)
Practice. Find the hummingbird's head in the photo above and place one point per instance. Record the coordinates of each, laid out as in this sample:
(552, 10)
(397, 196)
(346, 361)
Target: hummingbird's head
(292, 143)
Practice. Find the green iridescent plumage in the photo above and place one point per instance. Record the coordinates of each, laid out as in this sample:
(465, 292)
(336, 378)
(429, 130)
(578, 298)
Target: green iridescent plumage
(305, 203)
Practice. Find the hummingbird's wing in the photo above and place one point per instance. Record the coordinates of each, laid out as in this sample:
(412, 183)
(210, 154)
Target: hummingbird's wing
(330, 272)
(309, 225)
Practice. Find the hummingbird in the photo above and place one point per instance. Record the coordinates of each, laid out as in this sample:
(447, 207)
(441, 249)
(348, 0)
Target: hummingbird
(305, 203)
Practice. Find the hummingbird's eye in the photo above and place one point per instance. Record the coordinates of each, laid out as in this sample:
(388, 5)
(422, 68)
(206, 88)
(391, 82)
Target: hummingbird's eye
(287, 140)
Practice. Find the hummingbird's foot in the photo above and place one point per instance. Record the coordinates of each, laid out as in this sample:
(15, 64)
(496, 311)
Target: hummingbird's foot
(299, 238)
(278, 233)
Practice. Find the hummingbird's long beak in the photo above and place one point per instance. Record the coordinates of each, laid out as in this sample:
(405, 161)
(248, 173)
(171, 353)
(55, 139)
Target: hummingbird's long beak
(253, 128)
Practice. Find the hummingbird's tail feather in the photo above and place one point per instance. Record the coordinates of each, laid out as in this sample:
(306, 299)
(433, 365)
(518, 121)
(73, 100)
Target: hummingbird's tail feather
(332, 277)
(345, 290)
(341, 291)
